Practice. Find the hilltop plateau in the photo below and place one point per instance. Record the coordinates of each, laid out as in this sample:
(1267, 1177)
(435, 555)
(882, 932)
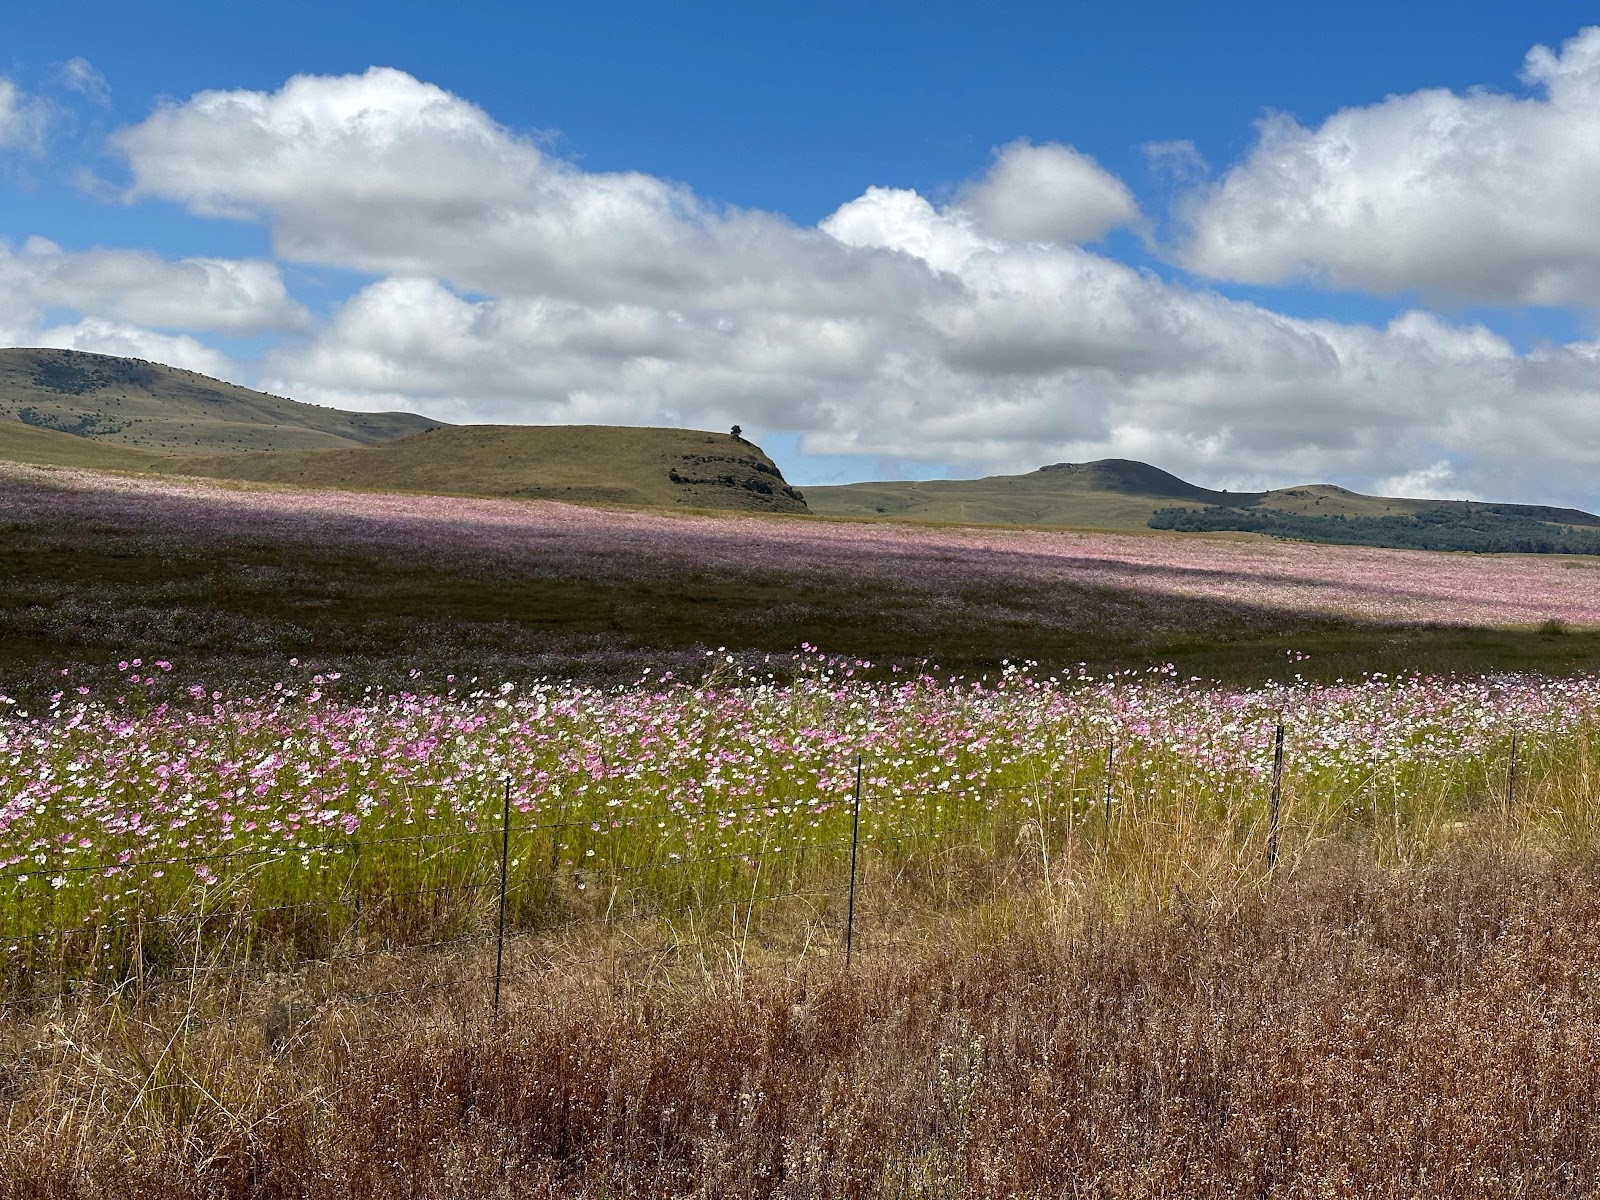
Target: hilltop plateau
(586, 464)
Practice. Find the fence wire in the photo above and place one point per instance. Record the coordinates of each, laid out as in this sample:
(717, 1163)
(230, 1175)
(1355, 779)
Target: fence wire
(552, 894)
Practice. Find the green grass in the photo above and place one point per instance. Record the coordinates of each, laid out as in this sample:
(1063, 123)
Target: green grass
(593, 464)
(147, 406)
(1115, 494)
(420, 866)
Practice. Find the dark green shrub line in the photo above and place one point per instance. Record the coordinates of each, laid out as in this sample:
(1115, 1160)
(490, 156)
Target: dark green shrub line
(1486, 529)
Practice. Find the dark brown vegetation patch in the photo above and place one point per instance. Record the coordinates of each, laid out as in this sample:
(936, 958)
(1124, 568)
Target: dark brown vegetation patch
(1349, 1032)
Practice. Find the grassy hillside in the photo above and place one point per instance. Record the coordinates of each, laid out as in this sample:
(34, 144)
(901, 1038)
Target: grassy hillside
(1326, 500)
(593, 464)
(1111, 494)
(128, 402)
(1122, 494)
(50, 447)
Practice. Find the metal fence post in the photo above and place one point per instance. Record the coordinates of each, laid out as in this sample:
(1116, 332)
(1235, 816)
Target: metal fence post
(500, 936)
(1105, 825)
(855, 842)
(1277, 798)
(1511, 776)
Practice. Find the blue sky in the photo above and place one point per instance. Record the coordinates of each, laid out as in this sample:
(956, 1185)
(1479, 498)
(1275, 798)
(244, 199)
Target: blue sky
(1229, 312)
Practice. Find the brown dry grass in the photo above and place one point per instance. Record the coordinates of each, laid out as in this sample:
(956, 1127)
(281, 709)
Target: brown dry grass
(1347, 1030)
(51, 447)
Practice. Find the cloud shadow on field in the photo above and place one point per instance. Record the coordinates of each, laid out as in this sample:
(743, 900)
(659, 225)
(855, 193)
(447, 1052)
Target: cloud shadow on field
(243, 578)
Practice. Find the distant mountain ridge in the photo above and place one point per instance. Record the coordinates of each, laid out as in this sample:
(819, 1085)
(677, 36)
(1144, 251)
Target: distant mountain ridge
(1117, 493)
(150, 407)
(1112, 493)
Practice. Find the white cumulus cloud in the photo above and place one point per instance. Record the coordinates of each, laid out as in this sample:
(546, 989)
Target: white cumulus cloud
(1048, 193)
(383, 173)
(1479, 195)
(240, 296)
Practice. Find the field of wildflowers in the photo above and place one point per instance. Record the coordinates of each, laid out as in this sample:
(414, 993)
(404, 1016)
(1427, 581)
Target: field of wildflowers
(1081, 964)
(250, 735)
(314, 820)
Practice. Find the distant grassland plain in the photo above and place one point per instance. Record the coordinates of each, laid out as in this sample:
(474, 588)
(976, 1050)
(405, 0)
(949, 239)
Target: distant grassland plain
(207, 572)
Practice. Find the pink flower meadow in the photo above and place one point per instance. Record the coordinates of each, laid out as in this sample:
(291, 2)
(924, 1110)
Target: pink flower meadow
(1079, 577)
(97, 796)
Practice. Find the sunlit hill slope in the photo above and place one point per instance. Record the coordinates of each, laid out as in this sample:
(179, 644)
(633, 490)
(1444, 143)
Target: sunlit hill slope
(128, 402)
(592, 464)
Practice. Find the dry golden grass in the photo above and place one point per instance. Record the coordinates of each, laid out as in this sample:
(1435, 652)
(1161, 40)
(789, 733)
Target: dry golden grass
(1414, 1019)
(52, 448)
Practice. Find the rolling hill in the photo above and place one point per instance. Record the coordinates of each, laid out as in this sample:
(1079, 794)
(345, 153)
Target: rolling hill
(51, 447)
(588, 464)
(70, 408)
(1114, 493)
(127, 402)
(1123, 494)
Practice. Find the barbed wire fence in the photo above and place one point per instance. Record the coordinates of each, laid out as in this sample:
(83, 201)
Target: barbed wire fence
(518, 886)
(516, 883)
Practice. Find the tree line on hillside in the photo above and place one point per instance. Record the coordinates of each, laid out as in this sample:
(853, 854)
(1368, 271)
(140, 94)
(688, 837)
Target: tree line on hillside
(1483, 530)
